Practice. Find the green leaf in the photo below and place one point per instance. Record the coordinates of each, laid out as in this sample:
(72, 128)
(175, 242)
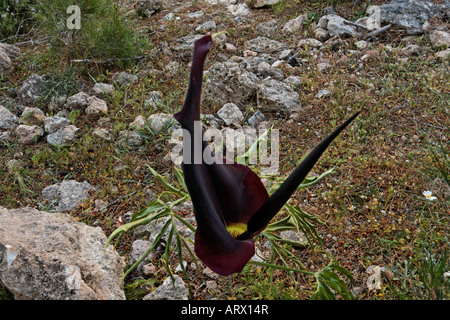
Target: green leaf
(293, 243)
(187, 224)
(275, 237)
(333, 280)
(326, 277)
(323, 292)
(342, 270)
(302, 222)
(165, 182)
(154, 206)
(179, 175)
(286, 223)
(309, 181)
(168, 251)
(253, 148)
(131, 225)
(179, 201)
(152, 247)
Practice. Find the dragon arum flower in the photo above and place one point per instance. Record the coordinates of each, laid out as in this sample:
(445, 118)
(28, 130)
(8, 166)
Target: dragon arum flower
(231, 204)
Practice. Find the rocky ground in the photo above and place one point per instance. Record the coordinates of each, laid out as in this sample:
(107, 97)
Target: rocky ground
(302, 67)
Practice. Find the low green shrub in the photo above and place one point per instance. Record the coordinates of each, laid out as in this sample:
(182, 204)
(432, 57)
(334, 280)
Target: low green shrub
(103, 34)
(15, 17)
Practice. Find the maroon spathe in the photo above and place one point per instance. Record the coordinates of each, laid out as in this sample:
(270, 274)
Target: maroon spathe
(227, 194)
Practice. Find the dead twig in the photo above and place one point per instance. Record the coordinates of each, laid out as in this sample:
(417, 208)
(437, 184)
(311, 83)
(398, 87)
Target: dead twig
(112, 203)
(350, 23)
(377, 32)
(119, 199)
(106, 61)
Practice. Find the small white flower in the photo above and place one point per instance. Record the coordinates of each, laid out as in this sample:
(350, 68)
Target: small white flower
(428, 195)
(351, 208)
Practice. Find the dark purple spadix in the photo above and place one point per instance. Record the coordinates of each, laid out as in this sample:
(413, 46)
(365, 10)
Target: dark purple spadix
(231, 205)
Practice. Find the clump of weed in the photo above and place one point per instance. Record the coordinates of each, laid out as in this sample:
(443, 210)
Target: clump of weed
(15, 17)
(103, 32)
(423, 276)
(5, 294)
(59, 83)
(256, 284)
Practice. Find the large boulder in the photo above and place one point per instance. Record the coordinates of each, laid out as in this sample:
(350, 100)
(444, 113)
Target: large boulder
(67, 195)
(277, 96)
(440, 38)
(31, 89)
(32, 116)
(295, 24)
(96, 106)
(29, 134)
(261, 3)
(55, 123)
(172, 289)
(63, 137)
(158, 121)
(50, 256)
(227, 82)
(231, 114)
(182, 47)
(77, 101)
(412, 14)
(240, 80)
(7, 119)
(264, 44)
(130, 138)
(335, 26)
(146, 8)
(102, 90)
(239, 9)
(10, 57)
